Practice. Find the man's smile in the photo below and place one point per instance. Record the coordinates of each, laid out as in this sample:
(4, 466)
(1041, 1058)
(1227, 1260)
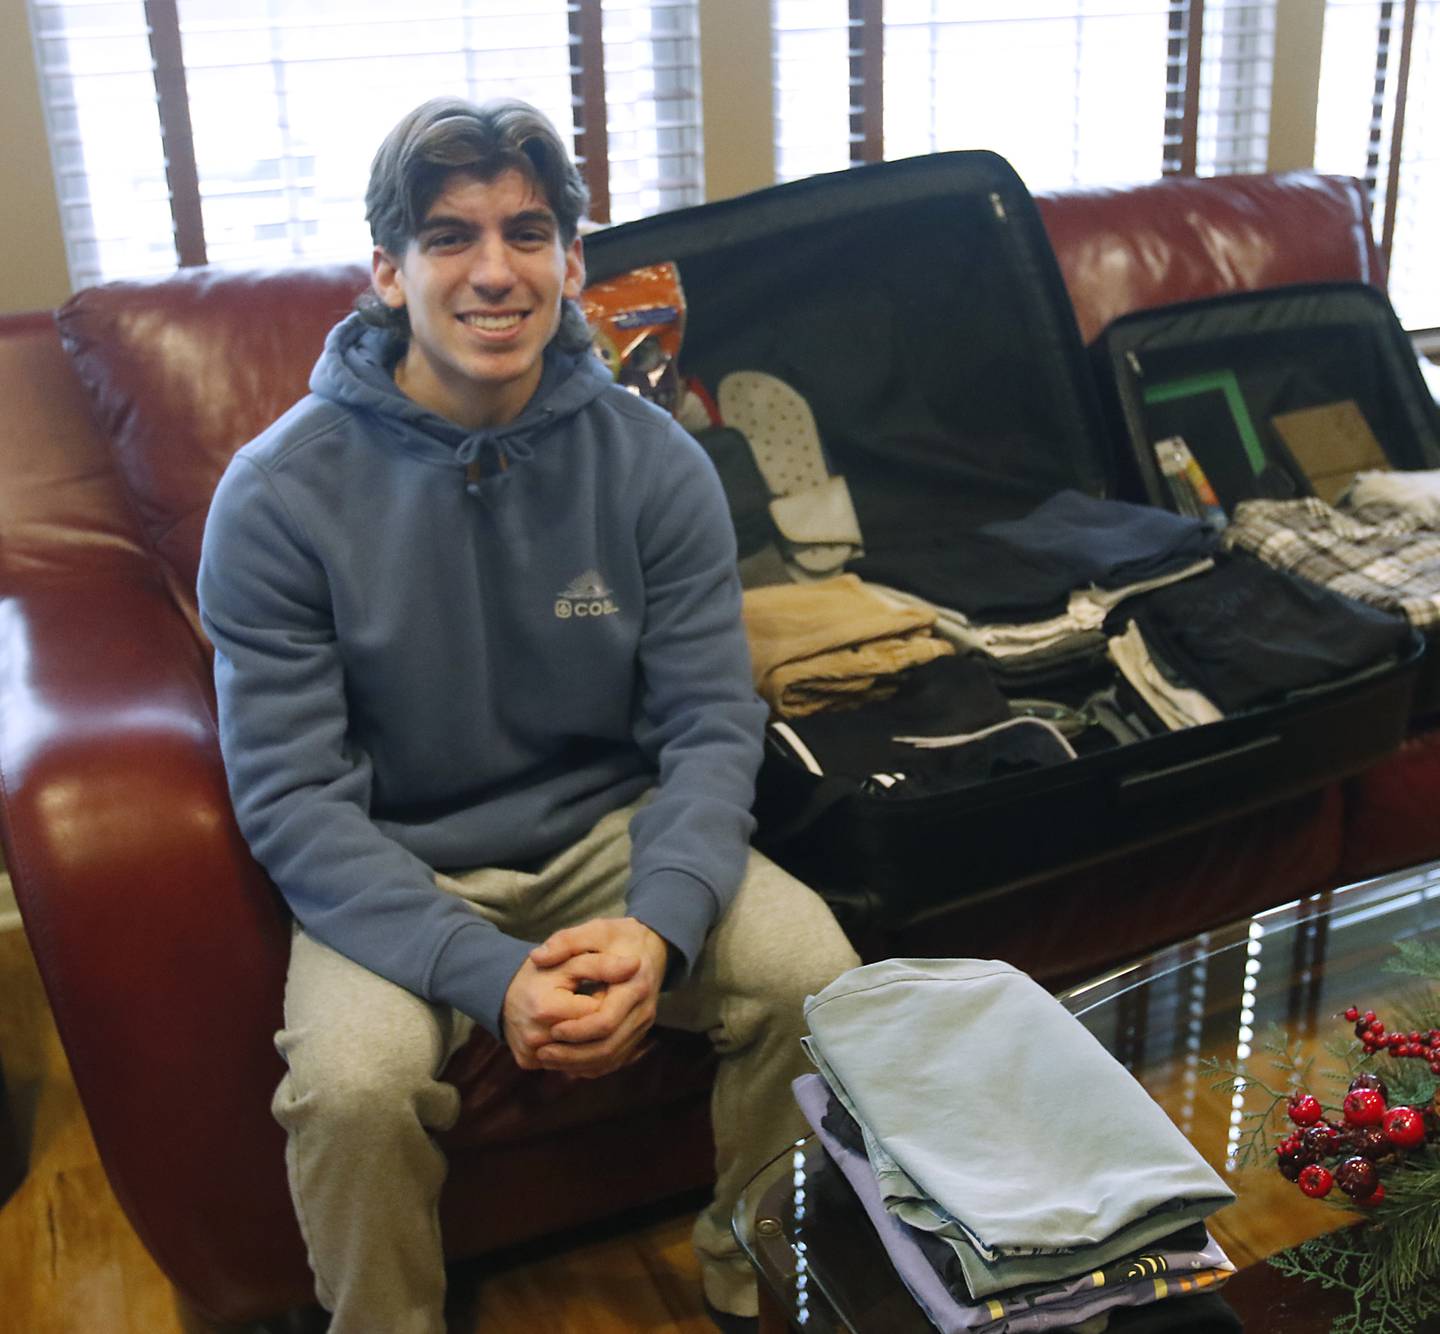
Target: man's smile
(497, 322)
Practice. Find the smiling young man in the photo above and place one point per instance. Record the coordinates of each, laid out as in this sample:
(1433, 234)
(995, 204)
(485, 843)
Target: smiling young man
(482, 806)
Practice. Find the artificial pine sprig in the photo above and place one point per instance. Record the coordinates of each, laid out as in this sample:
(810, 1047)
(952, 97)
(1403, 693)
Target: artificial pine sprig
(1417, 957)
(1345, 1261)
(1383, 1144)
(1230, 1076)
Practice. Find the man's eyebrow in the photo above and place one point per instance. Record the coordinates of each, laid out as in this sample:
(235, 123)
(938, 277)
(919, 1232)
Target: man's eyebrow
(441, 220)
(530, 216)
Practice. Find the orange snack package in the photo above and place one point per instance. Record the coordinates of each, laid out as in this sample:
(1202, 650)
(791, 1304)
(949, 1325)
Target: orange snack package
(639, 321)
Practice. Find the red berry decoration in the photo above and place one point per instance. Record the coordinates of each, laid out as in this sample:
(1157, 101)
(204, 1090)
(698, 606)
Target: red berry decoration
(1376, 1196)
(1305, 1109)
(1404, 1127)
(1315, 1181)
(1364, 1107)
(1352, 1014)
(1374, 1143)
(1357, 1177)
(1291, 1163)
(1368, 1080)
(1321, 1140)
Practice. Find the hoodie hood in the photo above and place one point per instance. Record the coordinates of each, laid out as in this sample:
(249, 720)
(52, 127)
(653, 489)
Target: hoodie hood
(356, 369)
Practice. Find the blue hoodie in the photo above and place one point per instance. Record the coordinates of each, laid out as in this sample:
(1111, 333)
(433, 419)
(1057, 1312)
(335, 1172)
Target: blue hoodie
(417, 670)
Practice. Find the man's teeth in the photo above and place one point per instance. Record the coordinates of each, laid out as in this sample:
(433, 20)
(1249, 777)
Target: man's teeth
(492, 323)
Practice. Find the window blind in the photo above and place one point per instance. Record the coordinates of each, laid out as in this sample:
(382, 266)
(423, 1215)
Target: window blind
(1363, 99)
(1070, 91)
(288, 99)
(1236, 74)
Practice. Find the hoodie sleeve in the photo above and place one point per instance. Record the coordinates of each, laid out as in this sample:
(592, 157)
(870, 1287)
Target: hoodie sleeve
(702, 721)
(300, 786)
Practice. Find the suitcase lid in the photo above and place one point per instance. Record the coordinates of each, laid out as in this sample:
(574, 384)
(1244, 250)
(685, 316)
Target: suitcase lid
(1231, 364)
(918, 307)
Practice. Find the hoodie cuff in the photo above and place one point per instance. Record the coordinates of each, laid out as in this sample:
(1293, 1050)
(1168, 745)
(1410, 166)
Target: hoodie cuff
(681, 908)
(474, 970)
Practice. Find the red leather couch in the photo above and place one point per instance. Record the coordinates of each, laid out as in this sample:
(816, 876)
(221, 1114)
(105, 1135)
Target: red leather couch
(162, 945)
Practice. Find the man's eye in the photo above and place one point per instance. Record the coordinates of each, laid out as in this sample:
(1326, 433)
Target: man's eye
(532, 236)
(446, 240)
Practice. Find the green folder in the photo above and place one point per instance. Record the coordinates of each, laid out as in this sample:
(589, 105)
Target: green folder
(1225, 383)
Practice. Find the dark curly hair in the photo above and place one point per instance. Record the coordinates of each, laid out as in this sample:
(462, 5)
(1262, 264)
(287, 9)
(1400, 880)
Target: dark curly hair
(449, 134)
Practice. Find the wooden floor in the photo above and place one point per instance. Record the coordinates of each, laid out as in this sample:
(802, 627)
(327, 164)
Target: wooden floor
(69, 1263)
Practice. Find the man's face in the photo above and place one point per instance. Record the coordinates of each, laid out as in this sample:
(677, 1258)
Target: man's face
(482, 283)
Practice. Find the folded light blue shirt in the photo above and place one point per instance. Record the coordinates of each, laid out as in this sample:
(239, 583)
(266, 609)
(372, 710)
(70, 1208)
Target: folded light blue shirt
(993, 1117)
(1161, 1273)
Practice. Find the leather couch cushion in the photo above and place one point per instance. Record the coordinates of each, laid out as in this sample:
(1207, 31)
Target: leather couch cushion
(182, 371)
(1189, 237)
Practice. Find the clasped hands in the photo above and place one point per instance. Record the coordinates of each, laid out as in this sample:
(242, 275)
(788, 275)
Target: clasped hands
(584, 999)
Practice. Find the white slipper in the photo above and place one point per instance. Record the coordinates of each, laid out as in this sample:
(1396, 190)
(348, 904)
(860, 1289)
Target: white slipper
(780, 427)
(823, 513)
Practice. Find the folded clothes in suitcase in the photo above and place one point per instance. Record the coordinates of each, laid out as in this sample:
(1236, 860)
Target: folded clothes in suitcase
(896, 346)
(1303, 412)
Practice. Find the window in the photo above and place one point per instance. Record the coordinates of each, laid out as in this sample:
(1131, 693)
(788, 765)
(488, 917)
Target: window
(241, 131)
(1070, 91)
(1379, 119)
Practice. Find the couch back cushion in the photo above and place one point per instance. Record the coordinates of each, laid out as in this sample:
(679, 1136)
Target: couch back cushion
(1188, 237)
(182, 371)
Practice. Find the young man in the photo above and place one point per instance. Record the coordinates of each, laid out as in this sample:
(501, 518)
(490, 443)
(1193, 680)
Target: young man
(481, 805)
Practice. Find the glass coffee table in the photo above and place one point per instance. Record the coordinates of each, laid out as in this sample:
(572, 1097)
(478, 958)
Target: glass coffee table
(1219, 995)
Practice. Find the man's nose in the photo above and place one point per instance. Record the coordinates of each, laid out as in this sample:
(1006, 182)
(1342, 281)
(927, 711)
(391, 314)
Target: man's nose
(491, 270)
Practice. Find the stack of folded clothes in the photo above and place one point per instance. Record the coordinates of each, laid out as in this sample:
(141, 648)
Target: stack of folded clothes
(944, 726)
(832, 643)
(1033, 593)
(1028, 1183)
(1245, 636)
(1380, 546)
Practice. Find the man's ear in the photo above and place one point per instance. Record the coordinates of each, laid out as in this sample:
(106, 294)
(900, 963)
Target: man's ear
(386, 278)
(574, 270)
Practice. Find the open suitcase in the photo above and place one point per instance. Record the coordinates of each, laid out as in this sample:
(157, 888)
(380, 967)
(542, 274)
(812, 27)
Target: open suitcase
(1278, 394)
(919, 309)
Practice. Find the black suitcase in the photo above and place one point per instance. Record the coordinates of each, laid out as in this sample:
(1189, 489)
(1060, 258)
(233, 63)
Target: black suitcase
(918, 306)
(1226, 373)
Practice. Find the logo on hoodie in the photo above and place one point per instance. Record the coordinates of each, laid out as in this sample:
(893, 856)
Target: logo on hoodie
(585, 595)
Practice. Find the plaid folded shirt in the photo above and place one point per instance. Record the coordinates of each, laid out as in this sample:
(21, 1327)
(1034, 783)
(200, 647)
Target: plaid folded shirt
(1374, 553)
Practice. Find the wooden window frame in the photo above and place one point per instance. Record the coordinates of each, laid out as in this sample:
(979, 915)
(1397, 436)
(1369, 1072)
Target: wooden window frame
(587, 82)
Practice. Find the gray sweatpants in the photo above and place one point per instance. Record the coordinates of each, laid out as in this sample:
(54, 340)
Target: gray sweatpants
(363, 1092)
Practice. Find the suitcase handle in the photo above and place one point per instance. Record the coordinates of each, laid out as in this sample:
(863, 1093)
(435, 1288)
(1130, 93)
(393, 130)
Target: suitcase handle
(1176, 778)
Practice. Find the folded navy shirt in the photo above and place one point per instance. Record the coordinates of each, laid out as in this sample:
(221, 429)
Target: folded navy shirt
(1024, 569)
(1108, 543)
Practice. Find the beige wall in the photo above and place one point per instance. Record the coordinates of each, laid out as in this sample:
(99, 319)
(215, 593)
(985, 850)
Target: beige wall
(36, 275)
(1299, 26)
(737, 108)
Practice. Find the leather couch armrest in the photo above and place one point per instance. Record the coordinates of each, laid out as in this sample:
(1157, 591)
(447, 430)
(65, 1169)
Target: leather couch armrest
(161, 943)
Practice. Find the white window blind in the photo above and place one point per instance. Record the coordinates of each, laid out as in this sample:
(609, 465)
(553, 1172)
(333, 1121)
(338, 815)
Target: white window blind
(1360, 86)
(1236, 73)
(1070, 91)
(288, 100)
(652, 91)
(813, 96)
(97, 84)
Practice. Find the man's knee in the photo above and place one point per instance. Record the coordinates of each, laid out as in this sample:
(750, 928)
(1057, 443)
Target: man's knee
(804, 948)
(354, 1090)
